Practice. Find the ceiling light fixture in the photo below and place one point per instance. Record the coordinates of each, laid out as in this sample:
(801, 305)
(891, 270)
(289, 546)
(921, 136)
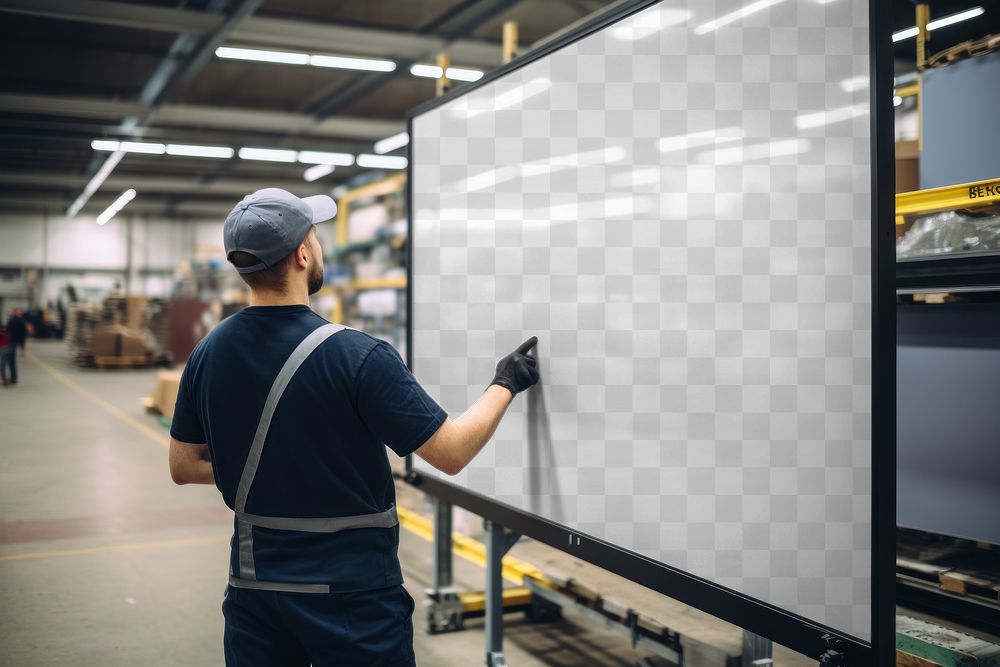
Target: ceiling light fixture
(188, 150)
(951, 19)
(382, 161)
(389, 144)
(319, 171)
(262, 56)
(268, 154)
(118, 205)
(321, 157)
(95, 183)
(342, 62)
(128, 146)
(453, 73)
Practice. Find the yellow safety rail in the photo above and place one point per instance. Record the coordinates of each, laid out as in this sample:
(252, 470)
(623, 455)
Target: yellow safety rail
(948, 198)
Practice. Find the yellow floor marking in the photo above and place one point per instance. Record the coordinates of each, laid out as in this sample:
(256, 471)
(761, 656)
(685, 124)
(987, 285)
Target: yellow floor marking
(514, 569)
(159, 437)
(117, 548)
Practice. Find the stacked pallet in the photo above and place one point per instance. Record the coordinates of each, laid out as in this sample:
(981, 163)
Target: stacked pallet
(81, 321)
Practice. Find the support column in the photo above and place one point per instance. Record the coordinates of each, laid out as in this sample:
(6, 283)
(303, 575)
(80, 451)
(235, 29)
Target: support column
(756, 651)
(495, 548)
(443, 572)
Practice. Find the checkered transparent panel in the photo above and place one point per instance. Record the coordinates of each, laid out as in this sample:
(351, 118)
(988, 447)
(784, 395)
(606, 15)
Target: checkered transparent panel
(679, 208)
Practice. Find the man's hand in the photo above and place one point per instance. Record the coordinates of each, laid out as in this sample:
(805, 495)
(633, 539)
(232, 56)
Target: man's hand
(518, 371)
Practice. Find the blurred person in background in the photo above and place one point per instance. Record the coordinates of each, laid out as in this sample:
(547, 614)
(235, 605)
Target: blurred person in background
(7, 351)
(17, 329)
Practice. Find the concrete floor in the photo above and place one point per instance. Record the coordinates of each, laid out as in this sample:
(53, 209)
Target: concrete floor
(103, 560)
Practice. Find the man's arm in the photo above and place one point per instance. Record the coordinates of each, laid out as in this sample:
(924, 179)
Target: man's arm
(190, 464)
(456, 442)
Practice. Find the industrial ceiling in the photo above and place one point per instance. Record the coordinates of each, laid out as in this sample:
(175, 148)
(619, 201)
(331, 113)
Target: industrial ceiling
(76, 71)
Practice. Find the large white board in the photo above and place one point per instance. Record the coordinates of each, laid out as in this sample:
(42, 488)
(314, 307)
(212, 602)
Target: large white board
(679, 207)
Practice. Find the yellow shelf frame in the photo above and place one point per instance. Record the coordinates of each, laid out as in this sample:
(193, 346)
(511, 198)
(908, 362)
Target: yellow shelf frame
(387, 186)
(948, 198)
(379, 283)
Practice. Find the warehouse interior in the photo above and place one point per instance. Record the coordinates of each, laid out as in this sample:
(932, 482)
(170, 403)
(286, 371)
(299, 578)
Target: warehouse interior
(129, 129)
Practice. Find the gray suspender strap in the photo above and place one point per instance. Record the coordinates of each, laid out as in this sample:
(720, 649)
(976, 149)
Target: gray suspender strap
(333, 524)
(299, 354)
(245, 522)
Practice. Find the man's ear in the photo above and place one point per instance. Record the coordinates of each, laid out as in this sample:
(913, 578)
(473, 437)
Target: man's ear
(302, 256)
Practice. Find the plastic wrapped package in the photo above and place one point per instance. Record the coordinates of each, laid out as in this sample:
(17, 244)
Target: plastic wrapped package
(950, 232)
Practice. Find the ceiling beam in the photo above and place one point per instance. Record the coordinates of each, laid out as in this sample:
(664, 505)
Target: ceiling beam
(456, 23)
(201, 116)
(121, 14)
(262, 30)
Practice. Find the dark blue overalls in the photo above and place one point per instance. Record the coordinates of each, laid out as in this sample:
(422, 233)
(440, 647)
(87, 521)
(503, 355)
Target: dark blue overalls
(291, 623)
(306, 589)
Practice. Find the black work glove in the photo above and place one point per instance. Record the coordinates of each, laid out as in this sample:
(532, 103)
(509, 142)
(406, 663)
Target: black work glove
(518, 371)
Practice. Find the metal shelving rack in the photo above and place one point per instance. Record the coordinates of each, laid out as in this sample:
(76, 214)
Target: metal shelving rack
(349, 287)
(954, 272)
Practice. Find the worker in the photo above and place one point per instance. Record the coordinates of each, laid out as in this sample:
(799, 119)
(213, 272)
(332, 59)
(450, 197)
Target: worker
(17, 329)
(287, 414)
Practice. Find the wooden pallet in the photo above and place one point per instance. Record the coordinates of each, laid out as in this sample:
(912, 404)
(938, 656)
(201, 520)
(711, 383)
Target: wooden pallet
(957, 578)
(130, 361)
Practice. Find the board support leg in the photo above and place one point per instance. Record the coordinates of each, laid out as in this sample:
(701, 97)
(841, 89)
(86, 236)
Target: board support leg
(756, 651)
(498, 542)
(445, 611)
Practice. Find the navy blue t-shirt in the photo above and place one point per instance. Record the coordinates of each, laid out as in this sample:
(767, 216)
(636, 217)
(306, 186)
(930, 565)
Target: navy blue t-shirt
(324, 454)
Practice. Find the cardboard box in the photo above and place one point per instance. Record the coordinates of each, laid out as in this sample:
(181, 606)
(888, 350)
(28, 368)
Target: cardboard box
(116, 340)
(135, 311)
(907, 166)
(165, 391)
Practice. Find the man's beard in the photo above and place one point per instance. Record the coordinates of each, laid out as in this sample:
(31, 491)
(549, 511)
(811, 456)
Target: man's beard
(315, 279)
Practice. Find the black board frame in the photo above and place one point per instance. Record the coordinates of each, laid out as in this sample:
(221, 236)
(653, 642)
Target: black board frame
(781, 626)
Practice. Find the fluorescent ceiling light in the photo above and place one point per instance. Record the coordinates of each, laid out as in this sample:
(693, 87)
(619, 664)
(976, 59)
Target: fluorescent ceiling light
(648, 23)
(320, 157)
(260, 55)
(820, 118)
(684, 142)
(142, 147)
(854, 84)
(951, 19)
(464, 74)
(95, 183)
(454, 73)
(956, 18)
(104, 145)
(430, 71)
(128, 146)
(319, 171)
(767, 151)
(382, 161)
(732, 17)
(389, 144)
(268, 154)
(119, 204)
(187, 150)
(342, 62)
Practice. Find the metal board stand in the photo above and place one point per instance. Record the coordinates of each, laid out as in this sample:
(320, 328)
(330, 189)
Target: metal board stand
(498, 543)
(445, 611)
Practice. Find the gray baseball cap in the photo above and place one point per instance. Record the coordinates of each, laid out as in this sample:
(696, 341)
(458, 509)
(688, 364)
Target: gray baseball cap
(271, 223)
